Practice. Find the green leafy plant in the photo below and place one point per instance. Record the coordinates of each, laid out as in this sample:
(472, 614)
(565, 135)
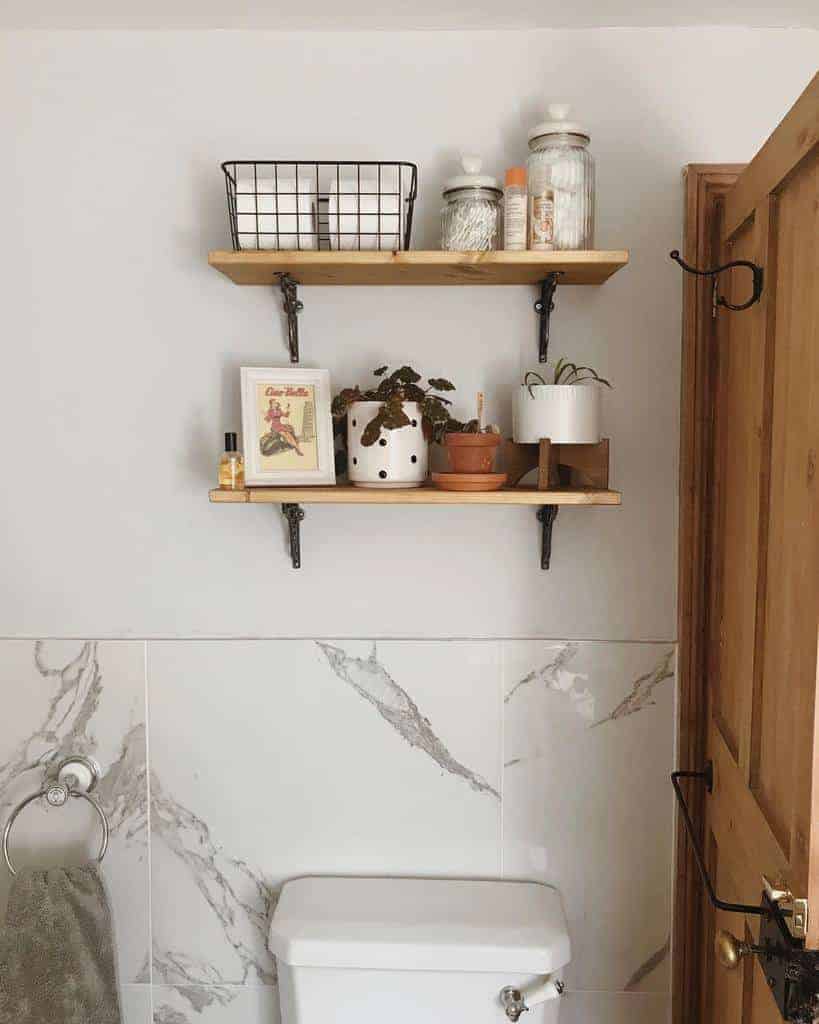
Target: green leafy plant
(568, 373)
(392, 391)
(470, 427)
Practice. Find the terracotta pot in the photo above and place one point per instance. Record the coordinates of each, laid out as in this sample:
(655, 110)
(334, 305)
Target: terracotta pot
(471, 453)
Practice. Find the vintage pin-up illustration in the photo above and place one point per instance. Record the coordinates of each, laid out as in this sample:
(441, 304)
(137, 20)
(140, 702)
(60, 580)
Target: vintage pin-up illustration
(288, 433)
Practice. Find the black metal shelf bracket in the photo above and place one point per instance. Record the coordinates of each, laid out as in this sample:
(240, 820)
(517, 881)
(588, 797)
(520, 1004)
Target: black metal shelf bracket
(292, 306)
(544, 307)
(720, 300)
(546, 515)
(294, 514)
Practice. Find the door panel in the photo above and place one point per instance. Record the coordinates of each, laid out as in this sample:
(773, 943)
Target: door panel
(757, 387)
(737, 425)
(706, 186)
(725, 988)
(783, 773)
(741, 996)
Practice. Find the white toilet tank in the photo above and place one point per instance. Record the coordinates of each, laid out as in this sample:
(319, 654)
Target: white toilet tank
(417, 951)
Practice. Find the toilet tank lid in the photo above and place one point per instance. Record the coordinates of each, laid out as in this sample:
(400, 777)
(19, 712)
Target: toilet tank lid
(420, 924)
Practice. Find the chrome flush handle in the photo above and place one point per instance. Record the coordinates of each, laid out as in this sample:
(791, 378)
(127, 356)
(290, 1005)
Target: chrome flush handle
(512, 1002)
(517, 1001)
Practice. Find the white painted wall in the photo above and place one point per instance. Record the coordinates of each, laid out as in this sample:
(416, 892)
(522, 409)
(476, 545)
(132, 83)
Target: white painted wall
(121, 348)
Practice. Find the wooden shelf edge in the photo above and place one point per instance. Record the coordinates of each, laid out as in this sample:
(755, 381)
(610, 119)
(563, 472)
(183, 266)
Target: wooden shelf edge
(418, 267)
(348, 495)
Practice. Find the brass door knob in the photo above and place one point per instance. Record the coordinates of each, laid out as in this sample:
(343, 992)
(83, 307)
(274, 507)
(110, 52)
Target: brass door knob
(730, 950)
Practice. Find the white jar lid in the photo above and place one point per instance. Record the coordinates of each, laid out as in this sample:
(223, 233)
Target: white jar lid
(558, 123)
(472, 177)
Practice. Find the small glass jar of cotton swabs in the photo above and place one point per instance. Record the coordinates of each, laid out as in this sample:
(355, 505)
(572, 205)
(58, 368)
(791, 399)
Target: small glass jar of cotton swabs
(471, 220)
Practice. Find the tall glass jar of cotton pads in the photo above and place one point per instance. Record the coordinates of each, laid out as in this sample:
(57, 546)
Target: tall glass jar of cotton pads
(561, 183)
(471, 218)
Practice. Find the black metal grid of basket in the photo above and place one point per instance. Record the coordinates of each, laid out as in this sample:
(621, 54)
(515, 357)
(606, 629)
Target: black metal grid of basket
(320, 205)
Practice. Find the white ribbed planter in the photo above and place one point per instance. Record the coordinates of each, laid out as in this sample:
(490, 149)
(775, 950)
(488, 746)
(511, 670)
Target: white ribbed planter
(399, 458)
(565, 413)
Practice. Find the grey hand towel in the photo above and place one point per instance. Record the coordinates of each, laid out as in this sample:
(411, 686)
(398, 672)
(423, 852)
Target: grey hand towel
(57, 950)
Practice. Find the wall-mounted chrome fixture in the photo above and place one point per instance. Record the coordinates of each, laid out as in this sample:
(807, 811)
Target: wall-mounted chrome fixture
(517, 1001)
(75, 776)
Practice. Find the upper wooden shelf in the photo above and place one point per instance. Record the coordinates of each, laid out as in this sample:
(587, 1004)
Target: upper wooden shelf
(415, 267)
(346, 494)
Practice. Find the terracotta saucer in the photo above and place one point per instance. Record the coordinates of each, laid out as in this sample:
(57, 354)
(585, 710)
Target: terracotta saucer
(469, 481)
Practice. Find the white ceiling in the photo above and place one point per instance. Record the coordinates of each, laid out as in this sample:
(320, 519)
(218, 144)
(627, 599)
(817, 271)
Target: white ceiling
(403, 14)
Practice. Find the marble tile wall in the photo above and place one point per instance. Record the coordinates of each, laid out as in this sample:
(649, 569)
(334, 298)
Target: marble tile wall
(230, 766)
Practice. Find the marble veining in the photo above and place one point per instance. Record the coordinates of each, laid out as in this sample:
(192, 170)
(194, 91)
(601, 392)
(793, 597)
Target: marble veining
(238, 1005)
(650, 964)
(641, 694)
(235, 893)
(122, 789)
(180, 972)
(64, 728)
(164, 1014)
(370, 680)
(570, 815)
(198, 998)
(67, 728)
(556, 675)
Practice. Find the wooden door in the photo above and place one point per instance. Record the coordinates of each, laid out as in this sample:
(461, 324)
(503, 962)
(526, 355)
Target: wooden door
(749, 560)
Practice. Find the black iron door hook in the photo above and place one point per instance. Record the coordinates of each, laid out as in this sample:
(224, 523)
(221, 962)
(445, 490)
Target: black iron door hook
(721, 300)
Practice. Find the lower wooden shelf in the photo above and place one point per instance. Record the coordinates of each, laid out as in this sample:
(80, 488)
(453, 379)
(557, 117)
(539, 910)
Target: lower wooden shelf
(346, 494)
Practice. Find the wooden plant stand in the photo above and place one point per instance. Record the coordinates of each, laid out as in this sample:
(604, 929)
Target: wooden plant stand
(558, 466)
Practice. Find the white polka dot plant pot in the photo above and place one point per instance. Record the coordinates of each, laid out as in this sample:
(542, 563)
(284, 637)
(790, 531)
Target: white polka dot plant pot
(399, 458)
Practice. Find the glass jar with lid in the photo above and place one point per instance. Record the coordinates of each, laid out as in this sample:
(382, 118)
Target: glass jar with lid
(561, 184)
(471, 217)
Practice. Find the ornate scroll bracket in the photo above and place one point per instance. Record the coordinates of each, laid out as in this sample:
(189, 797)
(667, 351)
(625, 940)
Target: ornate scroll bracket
(294, 515)
(546, 515)
(544, 307)
(292, 305)
(720, 300)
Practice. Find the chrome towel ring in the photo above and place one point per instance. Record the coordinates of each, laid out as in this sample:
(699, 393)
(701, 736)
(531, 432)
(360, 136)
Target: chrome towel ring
(76, 776)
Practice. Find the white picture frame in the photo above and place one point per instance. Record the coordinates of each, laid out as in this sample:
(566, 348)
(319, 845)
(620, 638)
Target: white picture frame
(287, 426)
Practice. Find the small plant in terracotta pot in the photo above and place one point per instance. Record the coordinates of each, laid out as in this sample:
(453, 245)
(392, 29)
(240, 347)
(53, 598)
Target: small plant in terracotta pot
(472, 450)
(470, 447)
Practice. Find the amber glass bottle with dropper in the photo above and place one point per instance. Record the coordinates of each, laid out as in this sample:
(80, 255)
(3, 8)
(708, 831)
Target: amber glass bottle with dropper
(231, 466)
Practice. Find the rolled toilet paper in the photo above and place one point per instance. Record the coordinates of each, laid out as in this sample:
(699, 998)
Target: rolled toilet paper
(361, 219)
(270, 215)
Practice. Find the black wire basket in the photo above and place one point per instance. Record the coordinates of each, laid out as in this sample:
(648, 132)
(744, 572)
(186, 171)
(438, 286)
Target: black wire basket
(312, 205)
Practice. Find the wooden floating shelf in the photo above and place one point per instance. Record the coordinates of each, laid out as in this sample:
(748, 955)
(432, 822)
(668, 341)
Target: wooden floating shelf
(345, 494)
(416, 267)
